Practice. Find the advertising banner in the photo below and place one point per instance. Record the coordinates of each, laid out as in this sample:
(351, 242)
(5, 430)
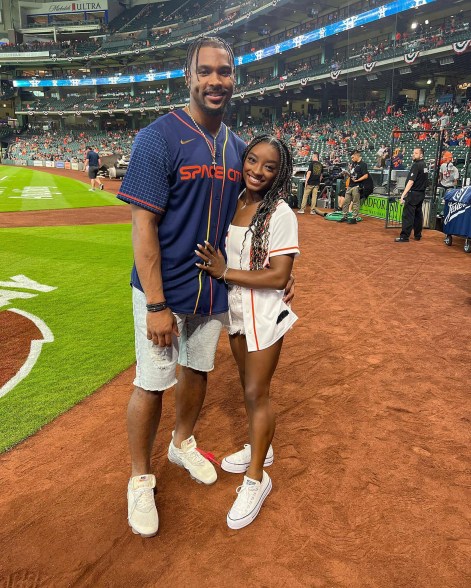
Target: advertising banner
(74, 166)
(67, 165)
(61, 7)
(375, 206)
(37, 163)
(49, 164)
(60, 164)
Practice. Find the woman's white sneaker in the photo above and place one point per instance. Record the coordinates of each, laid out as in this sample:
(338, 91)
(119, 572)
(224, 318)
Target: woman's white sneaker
(239, 462)
(142, 512)
(248, 502)
(188, 457)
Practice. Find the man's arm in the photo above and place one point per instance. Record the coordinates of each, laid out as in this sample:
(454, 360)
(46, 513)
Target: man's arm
(308, 175)
(363, 177)
(407, 188)
(147, 256)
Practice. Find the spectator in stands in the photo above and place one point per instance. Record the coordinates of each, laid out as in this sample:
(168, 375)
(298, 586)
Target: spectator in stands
(398, 159)
(448, 173)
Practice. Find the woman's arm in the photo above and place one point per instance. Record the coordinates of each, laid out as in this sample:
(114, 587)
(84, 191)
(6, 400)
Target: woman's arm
(274, 277)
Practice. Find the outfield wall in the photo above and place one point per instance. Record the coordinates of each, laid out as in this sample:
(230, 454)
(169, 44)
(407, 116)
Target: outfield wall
(43, 163)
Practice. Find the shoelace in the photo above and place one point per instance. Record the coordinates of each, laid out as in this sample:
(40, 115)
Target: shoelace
(246, 494)
(195, 457)
(144, 499)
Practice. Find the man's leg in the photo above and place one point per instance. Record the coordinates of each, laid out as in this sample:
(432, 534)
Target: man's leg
(346, 204)
(190, 393)
(418, 220)
(155, 372)
(356, 201)
(307, 191)
(199, 336)
(315, 190)
(143, 418)
(408, 215)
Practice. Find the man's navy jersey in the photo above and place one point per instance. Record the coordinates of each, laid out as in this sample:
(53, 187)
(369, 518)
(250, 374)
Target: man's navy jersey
(170, 173)
(419, 174)
(93, 158)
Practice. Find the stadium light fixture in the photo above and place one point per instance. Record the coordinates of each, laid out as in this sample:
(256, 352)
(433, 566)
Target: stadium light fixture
(413, 26)
(429, 81)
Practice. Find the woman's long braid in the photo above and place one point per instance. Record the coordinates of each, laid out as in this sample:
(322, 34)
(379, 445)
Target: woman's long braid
(194, 49)
(280, 188)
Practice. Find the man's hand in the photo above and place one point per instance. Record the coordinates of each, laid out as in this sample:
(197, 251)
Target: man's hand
(289, 291)
(401, 201)
(161, 326)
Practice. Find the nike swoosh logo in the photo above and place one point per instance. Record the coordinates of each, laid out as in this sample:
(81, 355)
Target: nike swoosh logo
(185, 142)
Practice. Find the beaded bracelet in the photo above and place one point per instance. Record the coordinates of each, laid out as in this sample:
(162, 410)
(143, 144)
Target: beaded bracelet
(157, 307)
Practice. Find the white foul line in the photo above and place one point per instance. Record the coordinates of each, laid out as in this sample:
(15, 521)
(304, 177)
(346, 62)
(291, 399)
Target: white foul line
(34, 353)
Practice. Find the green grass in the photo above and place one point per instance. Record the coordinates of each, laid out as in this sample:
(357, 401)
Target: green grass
(21, 188)
(90, 315)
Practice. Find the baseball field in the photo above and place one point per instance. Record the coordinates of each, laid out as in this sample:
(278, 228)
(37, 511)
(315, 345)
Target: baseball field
(371, 476)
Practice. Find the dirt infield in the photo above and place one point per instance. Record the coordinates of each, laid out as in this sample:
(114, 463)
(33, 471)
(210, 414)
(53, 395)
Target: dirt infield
(371, 480)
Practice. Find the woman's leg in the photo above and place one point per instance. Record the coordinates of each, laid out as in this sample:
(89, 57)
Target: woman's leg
(259, 369)
(239, 348)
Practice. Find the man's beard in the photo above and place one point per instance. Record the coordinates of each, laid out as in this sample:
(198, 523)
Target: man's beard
(214, 111)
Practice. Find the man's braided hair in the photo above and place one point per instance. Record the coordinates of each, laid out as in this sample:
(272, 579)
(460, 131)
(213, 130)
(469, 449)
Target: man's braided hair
(281, 188)
(194, 49)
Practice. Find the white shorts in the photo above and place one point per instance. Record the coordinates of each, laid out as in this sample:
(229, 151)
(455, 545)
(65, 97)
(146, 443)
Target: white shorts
(194, 348)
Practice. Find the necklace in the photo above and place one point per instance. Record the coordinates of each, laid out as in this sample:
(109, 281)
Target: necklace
(245, 203)
(212, 148)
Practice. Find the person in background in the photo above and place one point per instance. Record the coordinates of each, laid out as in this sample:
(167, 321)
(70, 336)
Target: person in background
(93, 163)
(413, 197)
(312, 183)
(448, 173)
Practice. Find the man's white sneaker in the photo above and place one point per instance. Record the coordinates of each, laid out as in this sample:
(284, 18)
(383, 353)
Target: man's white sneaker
(142, 512)
(300, 211)
(188, 457)
(239, 462)
(248, 502)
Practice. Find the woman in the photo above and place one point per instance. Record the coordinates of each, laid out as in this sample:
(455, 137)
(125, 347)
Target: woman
(262, 242)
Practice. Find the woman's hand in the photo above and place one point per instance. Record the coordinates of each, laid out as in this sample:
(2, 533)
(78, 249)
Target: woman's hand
(289, 291)
(213, 261)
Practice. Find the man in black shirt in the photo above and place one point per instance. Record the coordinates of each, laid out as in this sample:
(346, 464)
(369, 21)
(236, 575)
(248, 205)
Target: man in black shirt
(311, 185)
(359, 184)
(413, 197)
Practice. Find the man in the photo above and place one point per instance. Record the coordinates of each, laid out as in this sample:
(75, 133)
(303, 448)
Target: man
(413, 197)
(93, 162)
(360, 186)
(312, 183)
(381, 156)
(183, 184)
(448, 173)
